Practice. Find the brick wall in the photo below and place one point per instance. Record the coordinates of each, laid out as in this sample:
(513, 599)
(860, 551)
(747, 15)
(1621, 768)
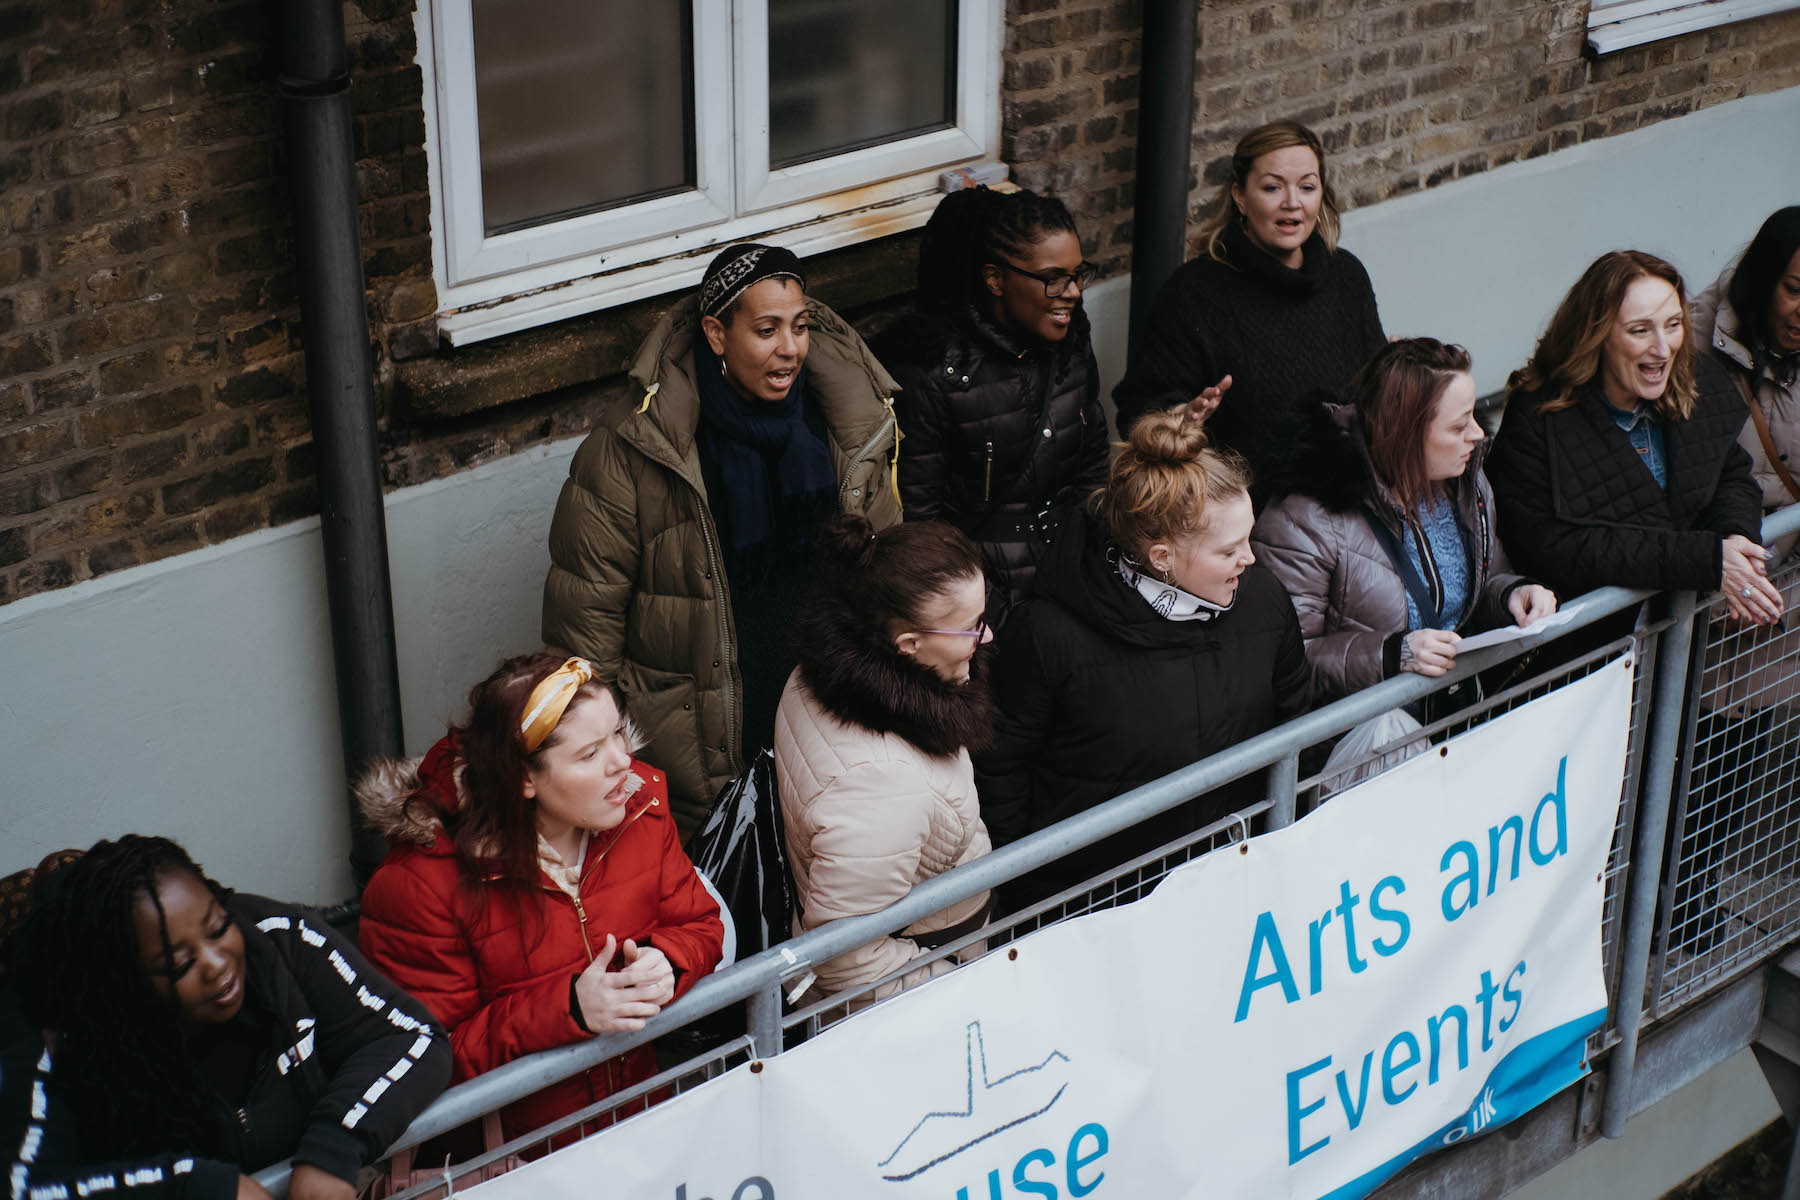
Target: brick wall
(1405, 93)
(151, 380)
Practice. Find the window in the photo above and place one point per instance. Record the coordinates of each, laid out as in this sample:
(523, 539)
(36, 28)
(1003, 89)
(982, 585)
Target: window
(1619, 24)
(583, 150)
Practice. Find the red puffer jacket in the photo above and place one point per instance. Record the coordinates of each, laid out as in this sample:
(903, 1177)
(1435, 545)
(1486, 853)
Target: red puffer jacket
(494, 967)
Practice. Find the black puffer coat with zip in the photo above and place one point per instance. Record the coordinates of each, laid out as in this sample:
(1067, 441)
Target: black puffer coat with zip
(1579, 510)
(1098, 693)
(998, 430)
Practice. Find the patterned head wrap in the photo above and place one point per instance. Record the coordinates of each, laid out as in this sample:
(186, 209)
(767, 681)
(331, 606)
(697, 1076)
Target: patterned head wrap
(740, 267)
(548, 701)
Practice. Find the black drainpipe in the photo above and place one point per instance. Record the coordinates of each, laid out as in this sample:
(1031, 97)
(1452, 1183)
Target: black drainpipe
(1165, 144)
(315, 94)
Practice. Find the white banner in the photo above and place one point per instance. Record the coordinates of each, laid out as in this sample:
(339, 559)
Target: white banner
(1416, 963)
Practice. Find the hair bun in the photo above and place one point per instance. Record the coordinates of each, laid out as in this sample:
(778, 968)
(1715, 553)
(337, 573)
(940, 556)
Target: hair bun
(1169, 438)
(848, 541)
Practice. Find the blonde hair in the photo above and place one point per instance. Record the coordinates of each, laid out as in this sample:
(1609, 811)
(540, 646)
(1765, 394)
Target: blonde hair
(1266, 139)
(1164, 481)
(1568, 355)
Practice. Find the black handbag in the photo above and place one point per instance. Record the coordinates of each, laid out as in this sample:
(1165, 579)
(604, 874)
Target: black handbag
(742, 850)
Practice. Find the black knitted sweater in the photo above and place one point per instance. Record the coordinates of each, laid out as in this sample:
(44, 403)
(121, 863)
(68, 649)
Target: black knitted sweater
(1281, 333)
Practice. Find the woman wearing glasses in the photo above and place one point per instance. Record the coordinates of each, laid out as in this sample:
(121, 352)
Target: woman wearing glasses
(1154, 640)
(1271, 311)
(873, 735)
(999, 396)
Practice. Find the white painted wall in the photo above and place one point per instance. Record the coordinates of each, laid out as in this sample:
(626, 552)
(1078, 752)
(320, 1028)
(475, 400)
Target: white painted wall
(1483, 261)
(195, 696)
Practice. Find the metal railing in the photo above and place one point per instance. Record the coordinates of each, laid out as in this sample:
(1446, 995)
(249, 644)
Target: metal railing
(1719, 782)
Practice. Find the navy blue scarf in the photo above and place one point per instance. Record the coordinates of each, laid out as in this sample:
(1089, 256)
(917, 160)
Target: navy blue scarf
(769, 475)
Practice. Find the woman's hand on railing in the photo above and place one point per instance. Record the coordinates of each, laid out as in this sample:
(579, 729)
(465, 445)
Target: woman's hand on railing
(307, 1183)
(1531, 602)
(1428, 652)
(1744, 582)
(616, 1001)
(249, 1189)
(652, 967)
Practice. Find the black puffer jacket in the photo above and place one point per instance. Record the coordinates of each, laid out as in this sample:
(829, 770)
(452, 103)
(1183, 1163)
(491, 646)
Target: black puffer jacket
(348, 1061)
(1098, 693)
(997, 430)
(1579, 510)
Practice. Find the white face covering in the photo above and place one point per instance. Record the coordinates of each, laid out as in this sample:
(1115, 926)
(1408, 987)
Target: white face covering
(1170, 602)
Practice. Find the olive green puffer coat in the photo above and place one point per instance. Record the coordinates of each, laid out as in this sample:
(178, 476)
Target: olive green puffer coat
(636, 581)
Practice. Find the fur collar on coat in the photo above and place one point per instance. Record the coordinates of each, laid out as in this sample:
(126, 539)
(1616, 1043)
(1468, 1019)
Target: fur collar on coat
(860, 679)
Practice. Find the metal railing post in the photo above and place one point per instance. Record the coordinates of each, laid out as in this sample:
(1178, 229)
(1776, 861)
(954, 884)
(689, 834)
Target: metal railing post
(1668, 707)
(1284, 791)
(765, 1019)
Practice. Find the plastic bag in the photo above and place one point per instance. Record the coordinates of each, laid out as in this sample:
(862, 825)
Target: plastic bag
(1390, 727)
(742, 850)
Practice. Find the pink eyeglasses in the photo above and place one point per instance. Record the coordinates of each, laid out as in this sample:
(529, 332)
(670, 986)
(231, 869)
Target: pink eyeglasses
(979, 633)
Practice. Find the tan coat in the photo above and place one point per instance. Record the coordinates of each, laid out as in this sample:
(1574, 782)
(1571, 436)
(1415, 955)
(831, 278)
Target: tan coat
(1754, 668)
(869, 817)
(636, 582)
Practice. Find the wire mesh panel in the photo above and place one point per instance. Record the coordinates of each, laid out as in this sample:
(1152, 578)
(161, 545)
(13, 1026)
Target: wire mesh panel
(1731, 891)
(437, 1179)
(1130, 881)
(1403, 736)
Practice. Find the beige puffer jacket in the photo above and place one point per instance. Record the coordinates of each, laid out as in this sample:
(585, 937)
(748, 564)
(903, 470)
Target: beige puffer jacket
(636, 582)
(869, 817)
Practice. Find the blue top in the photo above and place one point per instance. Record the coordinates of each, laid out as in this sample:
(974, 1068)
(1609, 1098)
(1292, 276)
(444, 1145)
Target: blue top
(1645, 433)
(1437, 517)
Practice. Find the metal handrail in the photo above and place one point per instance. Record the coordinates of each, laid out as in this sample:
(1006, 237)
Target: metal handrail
(758, 978)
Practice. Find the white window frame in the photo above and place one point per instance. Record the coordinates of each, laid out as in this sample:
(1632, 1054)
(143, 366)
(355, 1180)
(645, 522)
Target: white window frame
(492, 285)
(1620, 24)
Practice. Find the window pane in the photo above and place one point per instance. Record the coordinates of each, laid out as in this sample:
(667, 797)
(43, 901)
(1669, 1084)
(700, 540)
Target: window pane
(844, 74)
(584, 105)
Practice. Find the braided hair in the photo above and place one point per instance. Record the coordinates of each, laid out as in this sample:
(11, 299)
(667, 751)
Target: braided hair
(976, 226)
(123, 1059)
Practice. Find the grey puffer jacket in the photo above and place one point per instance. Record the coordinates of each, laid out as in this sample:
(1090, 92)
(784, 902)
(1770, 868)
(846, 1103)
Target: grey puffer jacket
(1349, 597)
(1716, 324)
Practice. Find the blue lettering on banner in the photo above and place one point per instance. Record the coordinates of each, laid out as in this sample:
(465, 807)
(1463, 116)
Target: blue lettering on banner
(1443, 1051)
(764, 1190)
(1087, 1146)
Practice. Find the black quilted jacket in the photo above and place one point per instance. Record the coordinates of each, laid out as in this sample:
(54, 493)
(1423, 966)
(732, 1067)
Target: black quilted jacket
(1579, 510)
(996, 430)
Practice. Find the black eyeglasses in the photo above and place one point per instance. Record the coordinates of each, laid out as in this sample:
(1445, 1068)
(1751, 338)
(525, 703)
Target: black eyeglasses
(1056, 283)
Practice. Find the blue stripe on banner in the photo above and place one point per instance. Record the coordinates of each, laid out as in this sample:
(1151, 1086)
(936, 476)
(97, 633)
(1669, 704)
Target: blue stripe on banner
(1524, 1079)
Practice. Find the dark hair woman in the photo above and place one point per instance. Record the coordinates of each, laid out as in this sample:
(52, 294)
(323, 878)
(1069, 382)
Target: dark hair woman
(1154, 640)
(1385, 539)
(999, 392)
(534, 892)
(873, 735)
(680, 545)
(166, 1036)
(1271, 311)
(1750, 698)
(1618, 461)
(1750, 318)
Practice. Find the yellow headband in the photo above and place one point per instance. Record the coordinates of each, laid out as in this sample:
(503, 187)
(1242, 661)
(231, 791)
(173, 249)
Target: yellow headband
(550, 699)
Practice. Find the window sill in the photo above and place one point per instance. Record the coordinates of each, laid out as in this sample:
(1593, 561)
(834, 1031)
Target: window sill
(1635, 22)
(594, 350)
(883, 215)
